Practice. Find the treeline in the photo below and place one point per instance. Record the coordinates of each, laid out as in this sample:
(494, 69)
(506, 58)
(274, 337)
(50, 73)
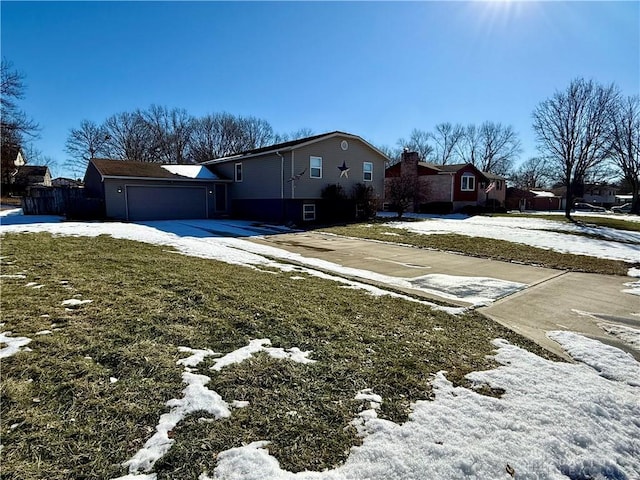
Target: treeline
(169, 135)
(490, 146)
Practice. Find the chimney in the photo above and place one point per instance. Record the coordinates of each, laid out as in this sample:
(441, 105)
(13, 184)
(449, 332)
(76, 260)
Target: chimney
(409, 164)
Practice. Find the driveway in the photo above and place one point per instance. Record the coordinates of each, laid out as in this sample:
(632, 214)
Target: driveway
(551, 300)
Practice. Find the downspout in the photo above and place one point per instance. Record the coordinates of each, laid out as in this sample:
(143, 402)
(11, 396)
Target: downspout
(293, 174)
(282, 211)
(453, 186)
(281, 175)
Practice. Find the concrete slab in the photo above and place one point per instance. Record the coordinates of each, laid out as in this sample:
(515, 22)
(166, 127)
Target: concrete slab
(572, 301)
(553, 299)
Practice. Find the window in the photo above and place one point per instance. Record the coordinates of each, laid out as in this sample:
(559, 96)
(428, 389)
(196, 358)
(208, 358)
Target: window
(468, 182)
(367, 170)
(315, 167)
(238, 172)
(498, 184)
(308, 212)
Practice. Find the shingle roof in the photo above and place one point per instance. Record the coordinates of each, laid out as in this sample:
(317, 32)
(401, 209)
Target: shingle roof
(456, 167)
(27, 172)
(126, 168)
(290, 145)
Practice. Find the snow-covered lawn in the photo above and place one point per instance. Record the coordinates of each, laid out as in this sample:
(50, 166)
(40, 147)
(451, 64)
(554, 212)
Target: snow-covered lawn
(536, 232)
(553, 421)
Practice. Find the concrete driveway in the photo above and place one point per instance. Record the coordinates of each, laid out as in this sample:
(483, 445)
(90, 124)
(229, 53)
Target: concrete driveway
(552, 300)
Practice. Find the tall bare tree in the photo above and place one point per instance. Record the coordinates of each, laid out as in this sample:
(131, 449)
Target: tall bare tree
(16, 128)
(572, 131)
(491, 147)
(88, 141)
(625, 144)
(500, 147)
(129, 137)
(170, 132)
(446, 138)
(418, 141)
(534, 172)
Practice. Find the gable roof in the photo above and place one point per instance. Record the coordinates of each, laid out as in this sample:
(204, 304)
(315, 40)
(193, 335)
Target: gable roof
(109, 168)
(453, 168)
(25, 173)
(291, 145)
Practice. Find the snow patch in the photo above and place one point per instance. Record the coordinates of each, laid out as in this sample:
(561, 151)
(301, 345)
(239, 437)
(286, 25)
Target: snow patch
(13, 344)
(610, 362)
(634, 288)
(75, 302)
(628, 335)
(555, 420)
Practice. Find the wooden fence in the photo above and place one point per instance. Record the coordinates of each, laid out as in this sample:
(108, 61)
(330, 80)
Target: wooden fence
(70, 202)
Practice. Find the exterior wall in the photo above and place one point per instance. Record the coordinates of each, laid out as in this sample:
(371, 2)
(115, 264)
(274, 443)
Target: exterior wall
(332, 157)
(268, 181)
(93, 182)
(466, 197)
(116, 201)
(262, 177)
(438, 187)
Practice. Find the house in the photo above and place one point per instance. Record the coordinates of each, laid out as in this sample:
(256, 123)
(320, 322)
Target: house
(451, 187)
(600, 194)
(540, 200)
(26, 176)
(151, 191)
(285, 182)
(65, 182)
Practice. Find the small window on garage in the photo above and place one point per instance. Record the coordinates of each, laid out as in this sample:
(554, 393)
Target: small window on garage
(367, 171)
(315, 167)
(468, 182)
(238, 172)
(308, 212)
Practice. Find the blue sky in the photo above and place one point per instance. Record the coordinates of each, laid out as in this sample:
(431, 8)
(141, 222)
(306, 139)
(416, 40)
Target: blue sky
(375, 69)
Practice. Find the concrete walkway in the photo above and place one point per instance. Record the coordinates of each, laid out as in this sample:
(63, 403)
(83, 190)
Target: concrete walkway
(553, 299)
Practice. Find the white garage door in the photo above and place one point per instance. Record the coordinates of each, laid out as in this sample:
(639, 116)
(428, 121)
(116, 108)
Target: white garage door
(166, 203)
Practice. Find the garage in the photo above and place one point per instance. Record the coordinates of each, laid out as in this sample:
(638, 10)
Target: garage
(158, 203)
(134, 191)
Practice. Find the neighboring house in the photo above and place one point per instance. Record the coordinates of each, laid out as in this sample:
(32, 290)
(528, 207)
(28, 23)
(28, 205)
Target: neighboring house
(600, 194)
(26, 176)
(65, 182)
(151, 191)
(453, 186)
(540, 200)
(284, 182)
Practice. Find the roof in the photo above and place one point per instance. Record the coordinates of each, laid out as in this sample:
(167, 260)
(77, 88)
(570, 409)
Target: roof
(458, 166)
(291, 145)
(125, 168)
(26, 172)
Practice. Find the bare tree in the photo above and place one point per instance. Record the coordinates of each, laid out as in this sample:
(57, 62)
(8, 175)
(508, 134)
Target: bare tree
(405, 190)
(215, 136)
(394, 154)
(255, 133)
(534, 172)
(625, 144)
(468, 148)
(446, 138)
(129, 137)
(500, 148)
(15, 127)
(88, 141)
(170, 132)
(418, 141)
(572, 131)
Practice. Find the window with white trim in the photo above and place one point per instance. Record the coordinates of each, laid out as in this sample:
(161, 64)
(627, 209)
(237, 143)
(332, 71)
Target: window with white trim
(468, 183)
(367, 171)
(315, 167)
(238, 172)
(308, 212)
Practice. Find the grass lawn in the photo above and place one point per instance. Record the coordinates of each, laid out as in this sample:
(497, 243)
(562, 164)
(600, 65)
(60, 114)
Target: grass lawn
(484, 248)
(63, 417)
